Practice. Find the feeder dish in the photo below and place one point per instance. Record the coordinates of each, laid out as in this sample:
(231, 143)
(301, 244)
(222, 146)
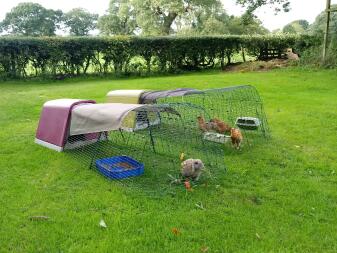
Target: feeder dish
(249, 123)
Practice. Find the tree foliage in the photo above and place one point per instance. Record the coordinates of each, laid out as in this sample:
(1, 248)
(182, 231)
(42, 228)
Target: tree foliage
(318, 27)
(253, 5)
(240, 25)
(210, 20)
(224, 24)
(80, 21)
(313, 55)
(32, 19)
(146, 17)
(120, 19)
(162, 17)
(296, 27)
(158, 17)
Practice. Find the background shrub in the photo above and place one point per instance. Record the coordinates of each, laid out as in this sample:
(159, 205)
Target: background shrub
(312, 56)
(59, 56)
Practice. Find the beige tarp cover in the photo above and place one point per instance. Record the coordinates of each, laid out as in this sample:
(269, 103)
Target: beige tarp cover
(93, 118)
(124, 96)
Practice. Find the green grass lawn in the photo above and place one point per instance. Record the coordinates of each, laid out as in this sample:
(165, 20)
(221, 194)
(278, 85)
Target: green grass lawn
(280, 196)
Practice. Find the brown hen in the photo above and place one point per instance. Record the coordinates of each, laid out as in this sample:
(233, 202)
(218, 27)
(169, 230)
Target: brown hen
(236, 137)
(205, 126)
(220, 126)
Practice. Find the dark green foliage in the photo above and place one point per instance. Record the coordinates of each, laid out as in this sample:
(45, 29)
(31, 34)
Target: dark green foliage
(313, 56)
(296, 27)
(120, 19)
(80, 22)
(56, 56)
(318, 27)
(289, 29)
(245, 25)
(31, 19)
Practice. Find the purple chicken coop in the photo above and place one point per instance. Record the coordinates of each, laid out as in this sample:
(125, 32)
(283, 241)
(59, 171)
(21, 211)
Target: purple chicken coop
(54, 124)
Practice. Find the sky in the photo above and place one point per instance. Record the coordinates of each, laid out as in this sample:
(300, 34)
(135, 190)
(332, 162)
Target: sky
(300, 9)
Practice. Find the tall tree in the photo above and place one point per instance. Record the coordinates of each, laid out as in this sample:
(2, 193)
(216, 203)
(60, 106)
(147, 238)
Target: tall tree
(241, 25)
(296, 27)
(32, 19)
(289, 28)
(214, 26)
(160, 16)
(220, 23)
(318, 27)
(120, 19)
(80, 21)
(213, 20)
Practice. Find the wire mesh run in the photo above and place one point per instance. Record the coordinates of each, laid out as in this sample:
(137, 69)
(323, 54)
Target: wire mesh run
(160, 137)
(237, 107)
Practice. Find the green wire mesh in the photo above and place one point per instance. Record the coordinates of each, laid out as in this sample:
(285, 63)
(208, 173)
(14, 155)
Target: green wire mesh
(162, 138)
(229, 105)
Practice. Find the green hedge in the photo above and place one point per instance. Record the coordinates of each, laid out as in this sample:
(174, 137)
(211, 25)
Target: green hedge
(58, 56)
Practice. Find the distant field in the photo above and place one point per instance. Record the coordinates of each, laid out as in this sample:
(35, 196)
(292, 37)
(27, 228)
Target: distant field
(280, 196)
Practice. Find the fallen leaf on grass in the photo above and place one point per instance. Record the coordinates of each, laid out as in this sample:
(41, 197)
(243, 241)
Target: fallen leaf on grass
(176, 231)
(200, 206)
(174, 180)
(37, 218)
(102, 224)
(258, 236)
(204, 249)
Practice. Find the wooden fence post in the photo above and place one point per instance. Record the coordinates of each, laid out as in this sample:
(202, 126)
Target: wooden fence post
(326, 35)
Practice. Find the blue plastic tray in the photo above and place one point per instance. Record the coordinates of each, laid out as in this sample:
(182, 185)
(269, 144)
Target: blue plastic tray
(119, 167)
